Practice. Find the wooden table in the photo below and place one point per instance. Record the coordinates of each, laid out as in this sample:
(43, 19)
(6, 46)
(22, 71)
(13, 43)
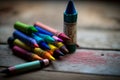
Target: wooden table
(98, 28)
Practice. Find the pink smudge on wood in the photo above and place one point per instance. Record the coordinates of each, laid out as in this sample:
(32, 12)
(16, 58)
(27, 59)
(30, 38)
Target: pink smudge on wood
(91, 58)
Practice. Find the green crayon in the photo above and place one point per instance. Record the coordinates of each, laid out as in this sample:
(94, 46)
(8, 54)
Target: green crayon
(27, 29)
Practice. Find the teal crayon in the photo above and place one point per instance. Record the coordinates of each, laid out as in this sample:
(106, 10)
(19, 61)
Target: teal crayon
(26, 67)
(40, 42)
(45, 37)
(27, 29)
(43, 31)
(24, 38)
(70, 20)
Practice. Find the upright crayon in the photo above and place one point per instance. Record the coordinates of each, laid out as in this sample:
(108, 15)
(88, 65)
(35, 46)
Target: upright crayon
(24, 38)
(55, 32)
(27, 29)
(70, 19)
(29, 56)
(43, 31)
(40, 42)
(25, 67)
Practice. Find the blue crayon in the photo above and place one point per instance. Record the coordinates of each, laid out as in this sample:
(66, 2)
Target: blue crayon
(40, 42)
(46, 38)
(24, 38)
(43, 31)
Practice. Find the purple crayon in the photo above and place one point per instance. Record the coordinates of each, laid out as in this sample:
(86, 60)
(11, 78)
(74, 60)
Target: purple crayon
(25, 54)
(24, 38)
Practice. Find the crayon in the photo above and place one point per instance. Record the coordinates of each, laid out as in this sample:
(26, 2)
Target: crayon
(27, 29)
(46, 38)
(70, 19)
(40, 41)
(55, 32)
(12, 41)
(43, 31)
(37, 51)
(43, 54)
(61, 46)
(26, 67)
(24, 38)
(55, 50)
(20, 52)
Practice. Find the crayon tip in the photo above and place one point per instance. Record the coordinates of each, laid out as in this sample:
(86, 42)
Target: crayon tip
(59, 52)
(57, 39)
(63, 36)
(36, 57)
(44, 46)
(70, 8)
(49, 39)
(64, 49)
(36, 45)
(33, 29)
(52, 58)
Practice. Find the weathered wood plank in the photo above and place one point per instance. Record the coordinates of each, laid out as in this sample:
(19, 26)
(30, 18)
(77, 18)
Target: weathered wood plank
(82, 61)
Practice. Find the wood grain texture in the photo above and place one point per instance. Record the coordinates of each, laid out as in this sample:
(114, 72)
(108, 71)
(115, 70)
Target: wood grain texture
(46, 75)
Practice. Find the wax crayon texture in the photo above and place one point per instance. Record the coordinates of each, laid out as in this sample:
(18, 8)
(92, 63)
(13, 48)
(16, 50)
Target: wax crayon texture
(55, 32)
(43, 31)
(29, 56)
(12, 41)
(24, 38)
(26, 67)
(62, 47)
(55, 50)
(40, 42)
(27, 29)
(45, 37)
(70, 19)
(43, 54)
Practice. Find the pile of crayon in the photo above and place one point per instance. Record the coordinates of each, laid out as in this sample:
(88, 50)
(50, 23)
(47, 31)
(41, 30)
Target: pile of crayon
(37, 42)
(41, 44)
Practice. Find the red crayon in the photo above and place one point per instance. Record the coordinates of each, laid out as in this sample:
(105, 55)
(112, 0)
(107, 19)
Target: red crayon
(55, 32)
(25, 54)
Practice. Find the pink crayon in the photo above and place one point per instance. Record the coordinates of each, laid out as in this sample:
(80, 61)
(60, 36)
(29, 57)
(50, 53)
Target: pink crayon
(55, 32)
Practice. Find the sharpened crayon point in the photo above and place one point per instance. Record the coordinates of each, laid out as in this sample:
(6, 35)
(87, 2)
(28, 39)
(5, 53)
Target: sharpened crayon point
(36, 57)
(44, 46)
(36, 45)
(63, 36)
(52, 58)
(64, 49)
(57, 39)
(70, 8)
(32, 29)
(49, 39)
(59, 52)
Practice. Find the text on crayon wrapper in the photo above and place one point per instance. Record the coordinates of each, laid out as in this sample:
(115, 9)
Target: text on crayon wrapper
(70, 31)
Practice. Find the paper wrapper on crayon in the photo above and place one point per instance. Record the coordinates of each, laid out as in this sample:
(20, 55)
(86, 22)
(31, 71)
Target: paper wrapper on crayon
(70, 31)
